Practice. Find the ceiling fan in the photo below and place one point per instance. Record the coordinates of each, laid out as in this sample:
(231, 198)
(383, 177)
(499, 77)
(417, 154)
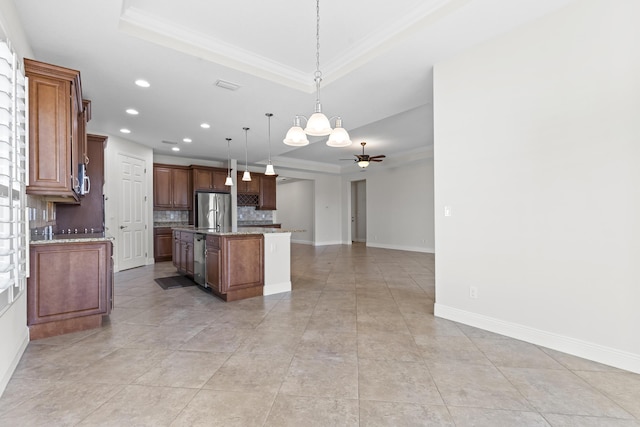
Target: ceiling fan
(364, 159)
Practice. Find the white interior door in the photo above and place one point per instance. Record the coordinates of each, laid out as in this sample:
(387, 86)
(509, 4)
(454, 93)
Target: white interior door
(132, 227)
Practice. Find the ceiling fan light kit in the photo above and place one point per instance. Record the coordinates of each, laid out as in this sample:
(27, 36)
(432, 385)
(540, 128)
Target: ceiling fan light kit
(318, 124)
(363, 160)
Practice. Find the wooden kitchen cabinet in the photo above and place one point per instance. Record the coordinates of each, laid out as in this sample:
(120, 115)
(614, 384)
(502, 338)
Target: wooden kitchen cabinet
(171, 187)
(70, 287)
(235, 265)
(212, 262)
(176, 250)
(162, 244)
(209, 179)
(267, 198)
(55, 108)
(183, 252)
(248, 187)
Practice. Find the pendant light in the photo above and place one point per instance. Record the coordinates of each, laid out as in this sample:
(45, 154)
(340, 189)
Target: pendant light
(269, 170)
(246, 176)
(229, 180)
(318, 124)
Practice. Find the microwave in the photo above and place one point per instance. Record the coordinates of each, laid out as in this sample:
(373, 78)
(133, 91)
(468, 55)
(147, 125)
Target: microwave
(84, 183)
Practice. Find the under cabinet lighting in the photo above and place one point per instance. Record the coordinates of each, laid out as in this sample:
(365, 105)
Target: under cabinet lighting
(205, 125)
(186, 140)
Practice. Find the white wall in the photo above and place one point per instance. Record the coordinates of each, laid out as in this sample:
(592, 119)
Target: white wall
(536, 152)
(399, 205)
(14, 334)
(296, 204)
(117, 145)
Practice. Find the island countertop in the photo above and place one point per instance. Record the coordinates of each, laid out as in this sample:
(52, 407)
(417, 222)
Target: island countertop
(239, 231)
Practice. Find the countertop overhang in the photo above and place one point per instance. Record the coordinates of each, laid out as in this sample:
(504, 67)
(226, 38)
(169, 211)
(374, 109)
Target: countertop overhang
(231, 232)
(69, 238)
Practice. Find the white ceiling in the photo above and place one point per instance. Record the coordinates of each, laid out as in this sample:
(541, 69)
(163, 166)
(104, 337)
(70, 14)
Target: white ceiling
(376, 58)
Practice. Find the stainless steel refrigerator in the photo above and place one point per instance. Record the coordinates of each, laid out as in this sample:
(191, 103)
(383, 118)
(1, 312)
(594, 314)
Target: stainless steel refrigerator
(213, 210)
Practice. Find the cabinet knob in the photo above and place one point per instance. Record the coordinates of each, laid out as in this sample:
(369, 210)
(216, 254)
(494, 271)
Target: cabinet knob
(123, 226)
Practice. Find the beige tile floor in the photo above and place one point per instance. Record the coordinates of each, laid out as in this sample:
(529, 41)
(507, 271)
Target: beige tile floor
(354, 343)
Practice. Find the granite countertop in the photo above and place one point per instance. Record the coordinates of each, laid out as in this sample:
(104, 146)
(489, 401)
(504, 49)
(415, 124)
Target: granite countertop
(170, 224)
(229, 232)
(250, 223)
(69, 238)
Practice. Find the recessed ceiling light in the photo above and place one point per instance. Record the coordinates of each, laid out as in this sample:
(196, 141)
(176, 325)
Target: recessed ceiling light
(124, 130)
(175, 148)
(186, 140)
(205, 125)
(132, 111)
(142, 83)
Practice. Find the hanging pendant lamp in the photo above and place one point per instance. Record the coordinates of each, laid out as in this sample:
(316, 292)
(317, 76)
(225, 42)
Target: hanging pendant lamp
(269, 170)
(246, 176)
(318, 124)
(229, 180)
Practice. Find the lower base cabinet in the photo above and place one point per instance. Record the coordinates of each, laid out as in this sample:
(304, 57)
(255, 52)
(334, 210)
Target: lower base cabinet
(235, 265)
(70, 287)
(162, 244)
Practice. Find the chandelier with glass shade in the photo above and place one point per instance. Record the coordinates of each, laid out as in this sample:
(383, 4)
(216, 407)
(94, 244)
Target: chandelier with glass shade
(318, 124)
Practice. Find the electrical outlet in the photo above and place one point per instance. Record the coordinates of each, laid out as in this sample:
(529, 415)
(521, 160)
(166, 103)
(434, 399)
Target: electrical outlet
(473, 292)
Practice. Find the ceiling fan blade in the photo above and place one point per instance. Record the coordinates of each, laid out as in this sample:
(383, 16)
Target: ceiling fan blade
(375, 160)
(381, 156)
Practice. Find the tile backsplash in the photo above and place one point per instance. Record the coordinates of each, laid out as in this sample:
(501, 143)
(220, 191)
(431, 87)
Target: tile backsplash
(171, 216)
(249, 213)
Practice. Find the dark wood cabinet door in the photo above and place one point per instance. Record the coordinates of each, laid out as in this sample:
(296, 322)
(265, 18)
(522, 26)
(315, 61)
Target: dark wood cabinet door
(181, 194)
(267, 193)
(162, 187)
(213, 262)
(176, 249)
(53, 130)
(246, 270)
(202, 179)
(68, 280)
(162, 244)
(253, 186)
(219, 177)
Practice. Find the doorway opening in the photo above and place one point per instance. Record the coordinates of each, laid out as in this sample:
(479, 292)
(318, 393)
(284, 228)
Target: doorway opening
(359, 211)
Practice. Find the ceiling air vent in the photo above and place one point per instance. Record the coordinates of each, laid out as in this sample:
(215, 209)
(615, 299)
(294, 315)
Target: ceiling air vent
(227, 85)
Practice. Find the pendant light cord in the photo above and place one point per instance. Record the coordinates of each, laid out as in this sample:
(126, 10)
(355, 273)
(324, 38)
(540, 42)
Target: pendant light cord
(318, 73)
(269, 133)
(246, 164)
(228, 156)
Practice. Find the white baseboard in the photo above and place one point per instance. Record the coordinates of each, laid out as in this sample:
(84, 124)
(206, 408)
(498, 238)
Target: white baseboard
(14, 363)
(402, 248)
(302, 242)
(276, 288)
(587, 350)
(336, 242)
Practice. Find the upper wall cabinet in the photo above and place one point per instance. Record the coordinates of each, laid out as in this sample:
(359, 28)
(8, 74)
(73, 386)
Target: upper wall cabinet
(248, 187)
(171, 187)
(55, 135)
(209, 179)
(267, 199)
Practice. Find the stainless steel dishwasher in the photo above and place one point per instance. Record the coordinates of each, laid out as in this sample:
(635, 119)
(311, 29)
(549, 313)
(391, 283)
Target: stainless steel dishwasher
(199, 266)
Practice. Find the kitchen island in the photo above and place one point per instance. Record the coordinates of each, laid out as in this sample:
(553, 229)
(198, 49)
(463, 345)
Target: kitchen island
(249, 262)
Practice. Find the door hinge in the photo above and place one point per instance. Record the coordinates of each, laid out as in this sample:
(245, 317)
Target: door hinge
(145, 254)
(145, 198)
(145, 226)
